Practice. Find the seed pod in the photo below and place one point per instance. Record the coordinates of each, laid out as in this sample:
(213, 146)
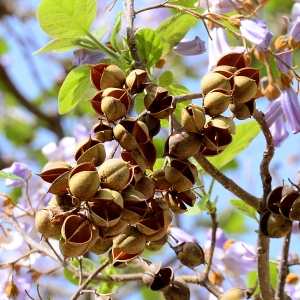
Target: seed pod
(160, 181)
(213, 81)
(114, 174)
(178, 290)
(113, 77)
(44, 222)
(135, 81)
(182, 144)
(88, 150)
(84, 181)
(145, 185)
(103, 132)
(239, 110)
(130, 241)
(53, 170)
(244, 89)
(193, 118)
(152, 124)
(275, 226)
(158, 244)
(190, 254)
(113, 108)
(182, 175)
(216, 102)
(101, 246)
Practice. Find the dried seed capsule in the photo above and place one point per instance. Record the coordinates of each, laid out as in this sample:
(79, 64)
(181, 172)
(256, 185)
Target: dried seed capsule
(190, 254)
(216, 102)
(234, 294)
(178, 290)
(213, 81)
(193, 118)
(244, 89)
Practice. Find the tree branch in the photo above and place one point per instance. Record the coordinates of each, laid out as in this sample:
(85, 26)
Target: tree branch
(52, 122)
(227, 183)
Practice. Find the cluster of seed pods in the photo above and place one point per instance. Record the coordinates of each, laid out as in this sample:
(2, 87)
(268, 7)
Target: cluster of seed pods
(120, 204)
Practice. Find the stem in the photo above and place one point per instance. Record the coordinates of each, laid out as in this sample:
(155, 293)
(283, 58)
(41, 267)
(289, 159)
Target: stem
(263, 268)
(263, 241)
(103, 48)
(283, 267)
(185, 97)
(227, 183)
(213, 242)
(130, 15)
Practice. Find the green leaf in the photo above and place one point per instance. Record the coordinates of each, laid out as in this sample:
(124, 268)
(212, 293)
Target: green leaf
(165, 79)
(150, 46)
(62, 44)
(245, 133)
(66, 18)
(199, 206)
(100, 32)
(244, 208)
(173, 30)
(87, 265)
(139, 105)
(176, 89)
(74, 88)
(116, 30)
(10, 176)
(232, 222)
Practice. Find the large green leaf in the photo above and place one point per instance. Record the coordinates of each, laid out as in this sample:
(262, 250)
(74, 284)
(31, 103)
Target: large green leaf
(245, 133)
(116, 30)
(74, 88)
(10, 176)
(66, 18)
(244, 208)
(63, 44)
(173, 30)
(150, 46)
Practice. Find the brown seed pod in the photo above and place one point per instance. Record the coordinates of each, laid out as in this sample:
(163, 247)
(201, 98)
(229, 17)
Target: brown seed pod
(44, 222)
(275, 226)
(114, 174)
(193, 118)
(244, 89)
(159, 179)
(182, 144)
(213, 81)
(190, 254)
(178, 290)
(103, 132)
(113, 77)
(216, 102)
(130, 241)
(84, 181)
(88, 150)
(135, 81)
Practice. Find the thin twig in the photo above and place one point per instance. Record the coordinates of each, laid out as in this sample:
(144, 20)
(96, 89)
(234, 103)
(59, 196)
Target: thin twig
(130, 15)
(89, 279)
(213, 242)
(185, 97)
(283, 267)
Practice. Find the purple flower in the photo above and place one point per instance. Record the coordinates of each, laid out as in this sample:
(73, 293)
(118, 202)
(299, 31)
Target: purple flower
(256, 33)
(295, 11)
(84, 56)
(294, 38)
(291, 108)
(278, 131)
(220, 238)
(64, 151)
(190, 47)
(18, 169)
(287, 58)
(181, 235)
(217, 46)
(80, 132)
(274, 111)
